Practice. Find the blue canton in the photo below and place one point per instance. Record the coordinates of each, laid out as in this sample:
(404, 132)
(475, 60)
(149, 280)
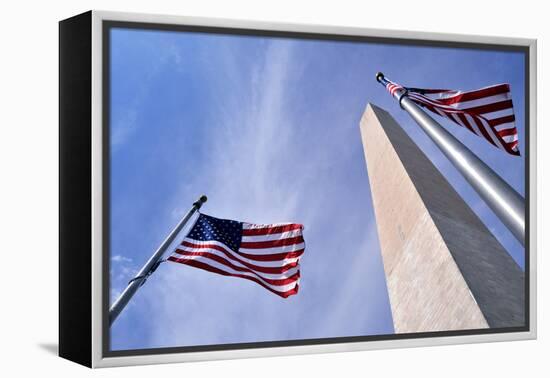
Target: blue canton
(228, 232)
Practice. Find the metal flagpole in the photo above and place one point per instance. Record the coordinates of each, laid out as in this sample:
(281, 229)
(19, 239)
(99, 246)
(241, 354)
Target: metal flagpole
(151, 264)
(506, 203)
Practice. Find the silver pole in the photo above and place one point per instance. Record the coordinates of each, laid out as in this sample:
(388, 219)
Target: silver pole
(506, 203)
(151, 264)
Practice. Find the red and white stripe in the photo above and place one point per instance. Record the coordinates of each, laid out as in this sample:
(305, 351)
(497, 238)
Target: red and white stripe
(268, 255)
(487, 112)
(392, 88)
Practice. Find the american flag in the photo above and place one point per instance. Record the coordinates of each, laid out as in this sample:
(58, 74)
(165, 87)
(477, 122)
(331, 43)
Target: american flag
(267, 254)
(487, 112)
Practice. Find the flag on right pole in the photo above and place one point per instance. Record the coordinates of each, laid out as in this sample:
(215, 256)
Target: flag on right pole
(487, 112)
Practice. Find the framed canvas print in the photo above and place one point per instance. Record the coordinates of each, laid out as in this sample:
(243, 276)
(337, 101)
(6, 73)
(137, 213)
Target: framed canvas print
(233, 189)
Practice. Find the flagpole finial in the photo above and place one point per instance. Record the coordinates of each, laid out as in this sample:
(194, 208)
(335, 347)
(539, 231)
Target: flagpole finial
(202, 199)
(379, 76)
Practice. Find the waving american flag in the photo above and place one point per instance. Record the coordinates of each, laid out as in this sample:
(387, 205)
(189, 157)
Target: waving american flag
(267, 254)
(487, 112)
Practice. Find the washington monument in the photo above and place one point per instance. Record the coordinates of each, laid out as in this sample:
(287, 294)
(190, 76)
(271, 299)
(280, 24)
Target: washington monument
(444, 269)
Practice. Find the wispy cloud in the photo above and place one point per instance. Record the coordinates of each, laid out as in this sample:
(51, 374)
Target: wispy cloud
(250, 147)
(123, 269)
(120, 258)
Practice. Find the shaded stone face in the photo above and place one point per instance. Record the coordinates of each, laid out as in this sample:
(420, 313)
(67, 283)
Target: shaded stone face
(444, 269)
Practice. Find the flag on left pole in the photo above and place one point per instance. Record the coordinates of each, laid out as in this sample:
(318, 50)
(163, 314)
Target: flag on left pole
(268, 254)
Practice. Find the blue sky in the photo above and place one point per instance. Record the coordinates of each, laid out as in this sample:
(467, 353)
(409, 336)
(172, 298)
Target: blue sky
(268, 128)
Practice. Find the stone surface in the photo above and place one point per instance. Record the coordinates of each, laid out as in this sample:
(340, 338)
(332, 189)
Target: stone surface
(444, 269)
